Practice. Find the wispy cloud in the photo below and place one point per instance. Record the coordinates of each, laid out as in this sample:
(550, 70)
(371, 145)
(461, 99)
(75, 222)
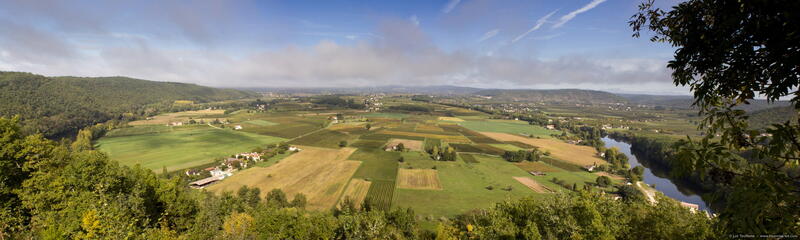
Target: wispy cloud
(547, 37)
(450, 6)
(489, 34)
(566, 18)
(414, 19)
(538, 25)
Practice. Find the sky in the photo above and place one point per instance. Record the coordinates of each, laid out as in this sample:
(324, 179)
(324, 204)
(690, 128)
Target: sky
(583, 44)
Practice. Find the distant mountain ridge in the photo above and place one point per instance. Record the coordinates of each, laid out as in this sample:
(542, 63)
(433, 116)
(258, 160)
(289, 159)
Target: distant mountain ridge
(393, 89)
(56, 106)
(685, 102)
(553, 96)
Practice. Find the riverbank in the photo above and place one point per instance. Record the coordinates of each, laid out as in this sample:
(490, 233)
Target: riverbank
(657, 177)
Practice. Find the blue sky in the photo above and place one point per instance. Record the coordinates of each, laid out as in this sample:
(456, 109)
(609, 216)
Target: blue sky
(479, 43)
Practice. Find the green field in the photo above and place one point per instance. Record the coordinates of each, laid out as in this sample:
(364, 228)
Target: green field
(468, 158)
(478, 148)
(287, 126)
(138, 130)
(464, 186)
(507, 147)
(260, 122)
(513, 127)
(179, 149)
(473, 136)
(571, 177)
(368, 144)
(381, 193)
(324, 138)
(380, 168)
(385, 115)
(273, 160)
(376, 164)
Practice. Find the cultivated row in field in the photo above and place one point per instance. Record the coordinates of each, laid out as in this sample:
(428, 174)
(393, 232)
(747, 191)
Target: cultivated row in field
(418, 179)
(356, 191)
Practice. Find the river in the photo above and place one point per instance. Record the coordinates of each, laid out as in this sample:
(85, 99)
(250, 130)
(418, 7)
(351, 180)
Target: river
(663, 184)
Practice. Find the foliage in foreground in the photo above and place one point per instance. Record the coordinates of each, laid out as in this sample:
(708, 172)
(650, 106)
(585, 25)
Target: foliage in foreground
(728, 53)
(50, 191)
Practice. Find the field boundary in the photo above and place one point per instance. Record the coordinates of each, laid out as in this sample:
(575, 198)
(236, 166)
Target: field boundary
(533, 185)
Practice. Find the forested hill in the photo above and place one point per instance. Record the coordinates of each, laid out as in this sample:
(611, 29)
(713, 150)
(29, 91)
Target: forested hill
(764, 118)
(553, 96)
(685, 102)
(56, 106)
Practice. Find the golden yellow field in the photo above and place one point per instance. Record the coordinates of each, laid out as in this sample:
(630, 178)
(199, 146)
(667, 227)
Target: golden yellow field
(347, 126)
(411, 145)
(178, 117)
(356, 191)
(418, 179)
(580, 155)
(533, 185)
(319, 173)
(452, 119)
(449, 138)
(428, 127)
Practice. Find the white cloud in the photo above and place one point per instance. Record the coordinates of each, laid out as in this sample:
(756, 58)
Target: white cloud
(450, 6)
(566, 18)
(365, 63)
(535, 27)
(489, 34)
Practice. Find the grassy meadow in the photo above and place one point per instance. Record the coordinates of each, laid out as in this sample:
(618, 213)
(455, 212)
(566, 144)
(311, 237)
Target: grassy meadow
(178, 148)
(508, 126)
(464, 186)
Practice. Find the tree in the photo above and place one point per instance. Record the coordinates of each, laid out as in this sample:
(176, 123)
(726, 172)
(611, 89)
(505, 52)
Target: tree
(238, 226)
(603, 181)
(636, 173)
(249, 196)
(83, 141)
(18, 155)
(368, 126)
(299, 201)
(729, 52)
(400, 147)
(630, 193)
(277, 198)
(343, 144)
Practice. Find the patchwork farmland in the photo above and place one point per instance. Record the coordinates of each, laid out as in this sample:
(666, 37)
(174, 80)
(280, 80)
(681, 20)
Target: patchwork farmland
(367, 169)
